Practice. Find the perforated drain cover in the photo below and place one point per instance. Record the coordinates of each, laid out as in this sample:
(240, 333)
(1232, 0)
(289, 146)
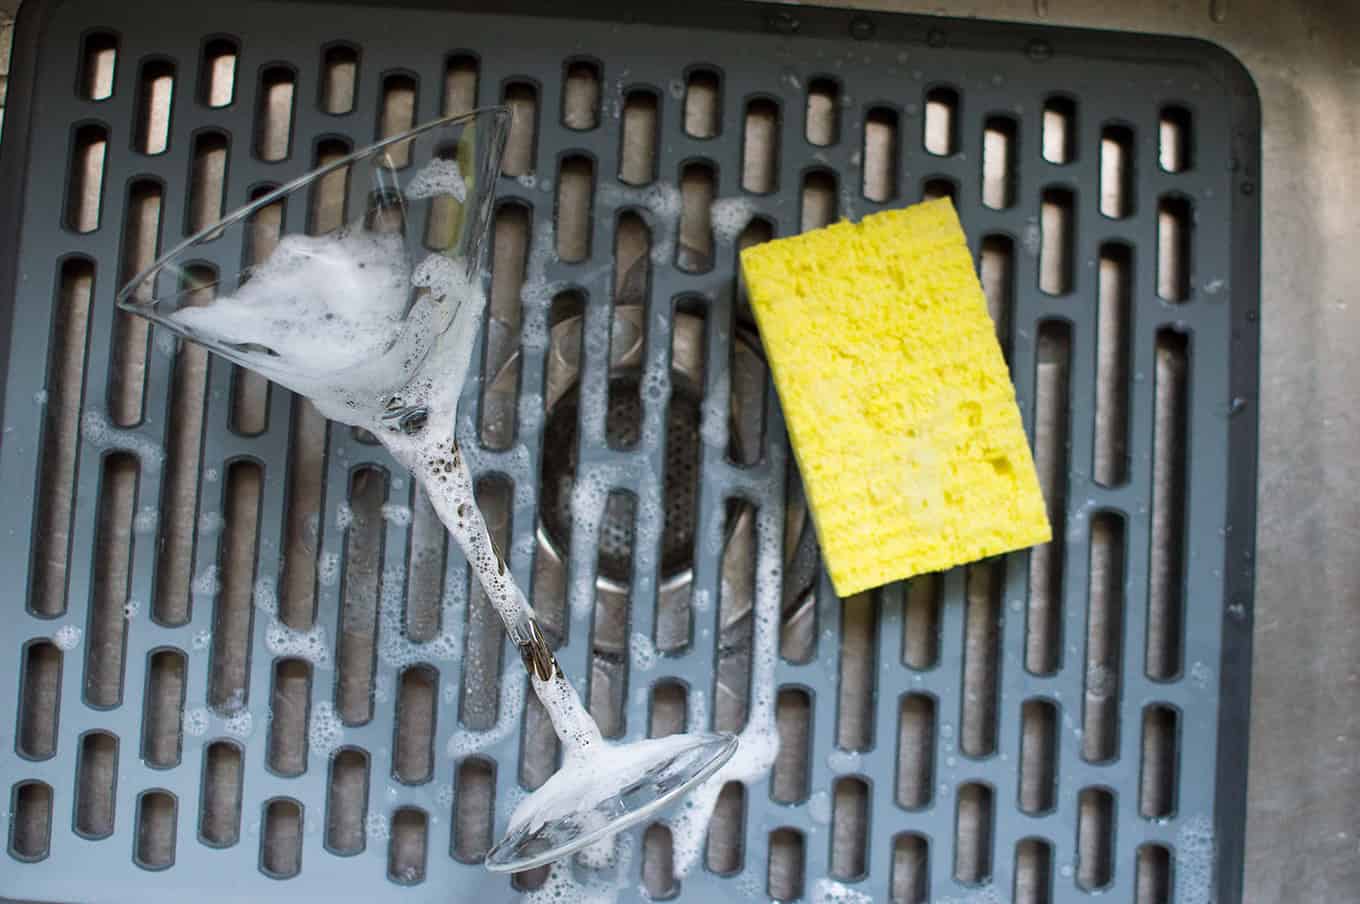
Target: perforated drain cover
(242, 663)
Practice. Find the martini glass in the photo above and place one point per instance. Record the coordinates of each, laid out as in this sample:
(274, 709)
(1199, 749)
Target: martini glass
(372, 312)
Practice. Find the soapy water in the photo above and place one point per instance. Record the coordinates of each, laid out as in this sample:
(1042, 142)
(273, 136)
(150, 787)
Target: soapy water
(828, 891)
(67, 637)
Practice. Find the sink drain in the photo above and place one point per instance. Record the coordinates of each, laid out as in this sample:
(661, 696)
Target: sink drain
(622, 427)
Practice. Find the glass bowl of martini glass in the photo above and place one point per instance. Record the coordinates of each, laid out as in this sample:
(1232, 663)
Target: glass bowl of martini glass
(372, 311)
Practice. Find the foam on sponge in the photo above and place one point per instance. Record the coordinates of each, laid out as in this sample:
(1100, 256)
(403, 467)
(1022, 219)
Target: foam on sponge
(899, 404)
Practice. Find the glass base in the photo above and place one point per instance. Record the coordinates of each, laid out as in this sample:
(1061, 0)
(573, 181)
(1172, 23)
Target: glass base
(599, 794)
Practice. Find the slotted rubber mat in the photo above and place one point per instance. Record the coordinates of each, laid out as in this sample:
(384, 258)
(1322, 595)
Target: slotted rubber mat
(186, 545)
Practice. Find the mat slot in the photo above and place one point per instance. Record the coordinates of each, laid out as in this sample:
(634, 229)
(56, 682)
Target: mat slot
(703, 103)
(219, 818)
(1117, 194)
(501, 359)
(850, 828)
(1052, 414)
(632, 285)
(725, 852)
(155, 830)
(274, 113)
(397, 114)
(425, 571)
(303, 529)
(249, 390)
(1059, 143)
(915, 751)
(361, 593)
(1033, 872)
(981, 658)
(1000, 140)
(788, 863)
(1175, 141)
(155, 91)
(760, 146)
(85, 185)
(822, 116)
(910, 883)
(680, 482)
(638, 136)
(819, 199)
(941, 123)
(1152, 882)
(575, 189)
(973, 826)
(1104, 639)
(141, 245)
(1174, 223)
(281, 838)
(858, 664)
(538, 751)
(756, 232)
(1038, 756)
(1158, 779)
(60, 436)
(921, 624)
(1170, 453)
(1113, 332)
(179, 522)
(610, 625)
(217, 72)
(99, 59)
(485, 637)
(288, 714)
(326, 208)
(1095, 838)
(698, 188)
(669, 705)
(339, 77)
(880, 154)
(1057, 239)
(207, 180)
(163, 708)
(735, 598)
(937, 187)
(520, 144)
(413, 745)
(36, 734)
(474, 805)
(106, 634)
(30, 833)
(790, 780)
(581, 94)
(96, 784)
(406, 851)
(658, 863)
(347, 802)
(232, 579)
(996, 268)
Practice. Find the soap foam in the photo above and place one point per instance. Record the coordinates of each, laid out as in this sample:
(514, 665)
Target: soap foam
(730, 216)
(396, 514)
(643, 652)
(67, 637)
(438, 177)
(1195, 855)
(325, 730)
(145, 521)
(98, 432)
(827, 891)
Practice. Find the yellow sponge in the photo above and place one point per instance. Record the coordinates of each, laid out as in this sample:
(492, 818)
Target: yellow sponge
(899, 405)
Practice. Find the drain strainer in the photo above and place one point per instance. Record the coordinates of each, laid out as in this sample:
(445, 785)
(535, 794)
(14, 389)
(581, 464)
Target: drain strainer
(243, 662)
